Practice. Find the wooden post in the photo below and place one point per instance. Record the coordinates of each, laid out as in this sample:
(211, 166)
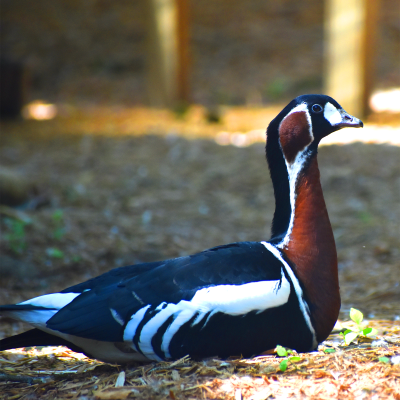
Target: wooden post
(369, 46)
(167, 52)
(183, 51)
(13, 88)
(350, 44)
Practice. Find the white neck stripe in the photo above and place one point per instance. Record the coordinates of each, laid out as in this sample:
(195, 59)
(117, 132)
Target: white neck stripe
(299, 292)
(294, 170)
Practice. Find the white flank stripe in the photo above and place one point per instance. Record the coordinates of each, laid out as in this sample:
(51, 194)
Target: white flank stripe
(137, 297)
(117, 317)
(161, 306)
(242, 299)
(332, 114)
(54, 300)
(303, 305)
(150, 329)
(181, 319)
(132, 325)
(228, 299)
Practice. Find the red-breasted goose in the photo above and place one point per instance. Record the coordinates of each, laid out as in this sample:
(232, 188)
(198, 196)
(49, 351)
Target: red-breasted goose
(237, 299)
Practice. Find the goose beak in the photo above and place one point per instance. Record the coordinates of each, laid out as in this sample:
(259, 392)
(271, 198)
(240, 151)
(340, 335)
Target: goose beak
(348, 120)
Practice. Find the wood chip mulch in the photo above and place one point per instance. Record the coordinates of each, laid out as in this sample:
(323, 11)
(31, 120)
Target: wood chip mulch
(335, 371)
(117, 201)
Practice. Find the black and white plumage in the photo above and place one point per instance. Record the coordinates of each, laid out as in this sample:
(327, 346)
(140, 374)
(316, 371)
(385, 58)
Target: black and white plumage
(237, 299)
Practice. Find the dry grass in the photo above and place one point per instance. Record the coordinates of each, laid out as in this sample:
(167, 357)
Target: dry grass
(106, 175)
(351, 372)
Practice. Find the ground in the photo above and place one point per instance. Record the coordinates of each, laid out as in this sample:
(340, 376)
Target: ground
(103, 186)
(114, 187)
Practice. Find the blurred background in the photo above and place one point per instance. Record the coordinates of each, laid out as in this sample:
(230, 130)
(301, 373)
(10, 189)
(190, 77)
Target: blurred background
(133, 131)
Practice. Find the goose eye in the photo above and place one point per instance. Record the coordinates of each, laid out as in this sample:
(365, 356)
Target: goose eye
(316, 108)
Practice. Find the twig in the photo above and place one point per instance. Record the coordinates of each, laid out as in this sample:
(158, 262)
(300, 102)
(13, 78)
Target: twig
(25, 379)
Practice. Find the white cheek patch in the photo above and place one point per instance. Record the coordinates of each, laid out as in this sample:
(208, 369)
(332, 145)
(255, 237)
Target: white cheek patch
(332, 114)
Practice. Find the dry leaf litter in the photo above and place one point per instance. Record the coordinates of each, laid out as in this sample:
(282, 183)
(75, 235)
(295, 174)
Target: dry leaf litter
(135, 197)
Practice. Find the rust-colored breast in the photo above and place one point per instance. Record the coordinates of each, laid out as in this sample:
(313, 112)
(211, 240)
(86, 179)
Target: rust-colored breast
(312, 249)
(294, 134)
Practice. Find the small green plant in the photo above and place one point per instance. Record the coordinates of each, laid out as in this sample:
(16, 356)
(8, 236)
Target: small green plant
(59, 226)
(365, 217)
(328, 351)
(282, 352)
(384, 360)
(16, 237)
(349, 335)
(76, 259)
(277, 88)
(181, 109)
(53, 252)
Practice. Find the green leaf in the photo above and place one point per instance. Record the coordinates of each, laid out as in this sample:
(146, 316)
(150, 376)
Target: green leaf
(356, 315)
(373, 332)
(329, 351)
(350, 337)
(58, 215)
(283, 365)
(346, 332)
(294, 359)
(384, 360)
(54, 252)
(281, 351)
(365, 217)
(366, 331)
(59, 233)
(76, 258)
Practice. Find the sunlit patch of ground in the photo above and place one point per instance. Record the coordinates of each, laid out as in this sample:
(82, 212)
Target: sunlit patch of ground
(364, 370)
(138, 185)
(239, 126)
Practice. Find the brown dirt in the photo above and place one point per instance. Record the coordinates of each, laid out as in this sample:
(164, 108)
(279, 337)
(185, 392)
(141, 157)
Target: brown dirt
(353, 372)
(131, 198)
(142, 185)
